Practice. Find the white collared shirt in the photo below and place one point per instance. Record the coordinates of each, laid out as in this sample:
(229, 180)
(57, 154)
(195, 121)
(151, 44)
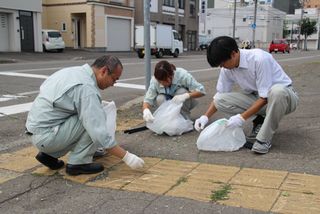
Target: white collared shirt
(258, 71)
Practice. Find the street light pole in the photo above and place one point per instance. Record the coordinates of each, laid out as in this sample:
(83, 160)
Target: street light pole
(254, 23)
(147, 51)
(301, 18)
(234, 19)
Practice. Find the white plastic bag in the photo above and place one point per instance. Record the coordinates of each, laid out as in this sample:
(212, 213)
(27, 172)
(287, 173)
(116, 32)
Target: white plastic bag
(167, 119)
(218, 137)
(110, 110)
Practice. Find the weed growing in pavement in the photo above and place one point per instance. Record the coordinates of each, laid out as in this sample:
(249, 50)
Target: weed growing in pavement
(221, 194)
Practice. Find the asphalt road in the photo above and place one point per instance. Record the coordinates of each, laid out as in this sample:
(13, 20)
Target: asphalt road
(296, 147)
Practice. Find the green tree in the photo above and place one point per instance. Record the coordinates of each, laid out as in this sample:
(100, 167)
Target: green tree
(285, 31)
(308, 27)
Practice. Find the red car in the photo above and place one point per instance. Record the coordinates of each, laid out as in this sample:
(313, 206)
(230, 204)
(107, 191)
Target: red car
(279, 45)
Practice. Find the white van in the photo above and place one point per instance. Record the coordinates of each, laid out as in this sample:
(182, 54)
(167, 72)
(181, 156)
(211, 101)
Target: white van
(52, 40)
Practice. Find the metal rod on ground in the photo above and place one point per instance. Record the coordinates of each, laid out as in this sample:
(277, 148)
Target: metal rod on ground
(147, 51)
(254, 23)
(234, 19)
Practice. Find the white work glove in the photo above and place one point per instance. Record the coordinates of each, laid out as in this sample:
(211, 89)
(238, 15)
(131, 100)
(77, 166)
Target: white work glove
(201, 122)
(147, 115)
(180, 98)
(133, 161)
(235, 121)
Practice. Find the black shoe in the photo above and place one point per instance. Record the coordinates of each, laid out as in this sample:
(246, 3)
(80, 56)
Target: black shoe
(257, 123)
(248, 145)
(90, 168)
(48, 161)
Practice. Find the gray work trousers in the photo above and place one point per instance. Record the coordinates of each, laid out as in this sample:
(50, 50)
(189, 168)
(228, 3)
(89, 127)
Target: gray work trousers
(69, 136)
(187, 106)
(282, 100)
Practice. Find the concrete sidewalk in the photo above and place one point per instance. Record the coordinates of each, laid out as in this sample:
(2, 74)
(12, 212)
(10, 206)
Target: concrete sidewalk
(178, 178)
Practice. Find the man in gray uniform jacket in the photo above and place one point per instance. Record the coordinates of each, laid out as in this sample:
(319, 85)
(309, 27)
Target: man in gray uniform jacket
(68, 116)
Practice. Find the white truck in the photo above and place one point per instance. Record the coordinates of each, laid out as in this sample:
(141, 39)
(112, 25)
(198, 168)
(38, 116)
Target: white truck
(163, 41)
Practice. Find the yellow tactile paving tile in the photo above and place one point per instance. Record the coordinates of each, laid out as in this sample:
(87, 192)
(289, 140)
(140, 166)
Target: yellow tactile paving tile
(196, 189)
(201, 181)
(297, 203)
(251, 197)
(19, 161)
(44, 171)
(215, 173)
(120, 175)
(302, 183)
(161, 177)
(6, 175)
(108, 160)
(259, 178)
(124, 124)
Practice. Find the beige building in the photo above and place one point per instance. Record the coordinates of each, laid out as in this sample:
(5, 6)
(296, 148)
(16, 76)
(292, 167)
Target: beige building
(181, 14)
(20, 25)
(92, 24)
(312, 4)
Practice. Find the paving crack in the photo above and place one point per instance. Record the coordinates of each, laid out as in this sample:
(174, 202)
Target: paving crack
(30, 188)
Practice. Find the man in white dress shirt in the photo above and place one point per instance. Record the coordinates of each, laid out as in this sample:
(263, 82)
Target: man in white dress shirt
(267, 93)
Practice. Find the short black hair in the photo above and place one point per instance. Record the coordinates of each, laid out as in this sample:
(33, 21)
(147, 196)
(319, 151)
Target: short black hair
(220, 50)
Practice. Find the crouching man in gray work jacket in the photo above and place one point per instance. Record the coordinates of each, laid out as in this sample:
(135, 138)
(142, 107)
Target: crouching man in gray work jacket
(267, 91)
(68, 116)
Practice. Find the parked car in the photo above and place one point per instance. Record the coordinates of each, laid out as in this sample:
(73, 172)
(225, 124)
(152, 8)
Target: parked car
(279, 45)
(204, 46)
(52, 40)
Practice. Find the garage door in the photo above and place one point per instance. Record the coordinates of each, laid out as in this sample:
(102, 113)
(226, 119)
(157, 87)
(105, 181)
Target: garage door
(118, 34)
(4, 32)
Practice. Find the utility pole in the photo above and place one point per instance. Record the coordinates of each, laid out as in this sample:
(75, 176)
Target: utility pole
(176, 21)
(301, 18)
(147, 51)
(234, 19)
(254, 25)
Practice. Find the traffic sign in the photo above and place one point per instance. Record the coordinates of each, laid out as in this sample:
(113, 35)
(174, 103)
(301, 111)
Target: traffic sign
(253, 26)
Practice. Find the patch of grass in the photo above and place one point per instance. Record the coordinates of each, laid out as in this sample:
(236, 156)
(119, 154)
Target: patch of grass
(221, 194)
(181, 180)
(285, 194)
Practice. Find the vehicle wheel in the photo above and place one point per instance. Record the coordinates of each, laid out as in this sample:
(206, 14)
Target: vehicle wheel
(284, 51)
(159, 54)
(140, 55)
(44, 48)
(270, 51)
(176, 53)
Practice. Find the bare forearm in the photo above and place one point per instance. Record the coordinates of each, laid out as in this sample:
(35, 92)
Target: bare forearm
(256, 106)
(145, 105)
(211, 110)
(195, 94)
(117, 151)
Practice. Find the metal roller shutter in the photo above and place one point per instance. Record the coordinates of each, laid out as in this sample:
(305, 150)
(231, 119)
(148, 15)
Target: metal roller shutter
(4, 32)
(118, 34)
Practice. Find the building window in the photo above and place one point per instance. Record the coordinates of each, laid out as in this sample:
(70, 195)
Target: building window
(181, 4)
(192, 8)
(63, 27)
(169, 3)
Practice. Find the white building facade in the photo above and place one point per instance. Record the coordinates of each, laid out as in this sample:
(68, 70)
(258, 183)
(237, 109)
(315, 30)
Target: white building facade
(269, 24)
(20, 25)
(292, 25)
